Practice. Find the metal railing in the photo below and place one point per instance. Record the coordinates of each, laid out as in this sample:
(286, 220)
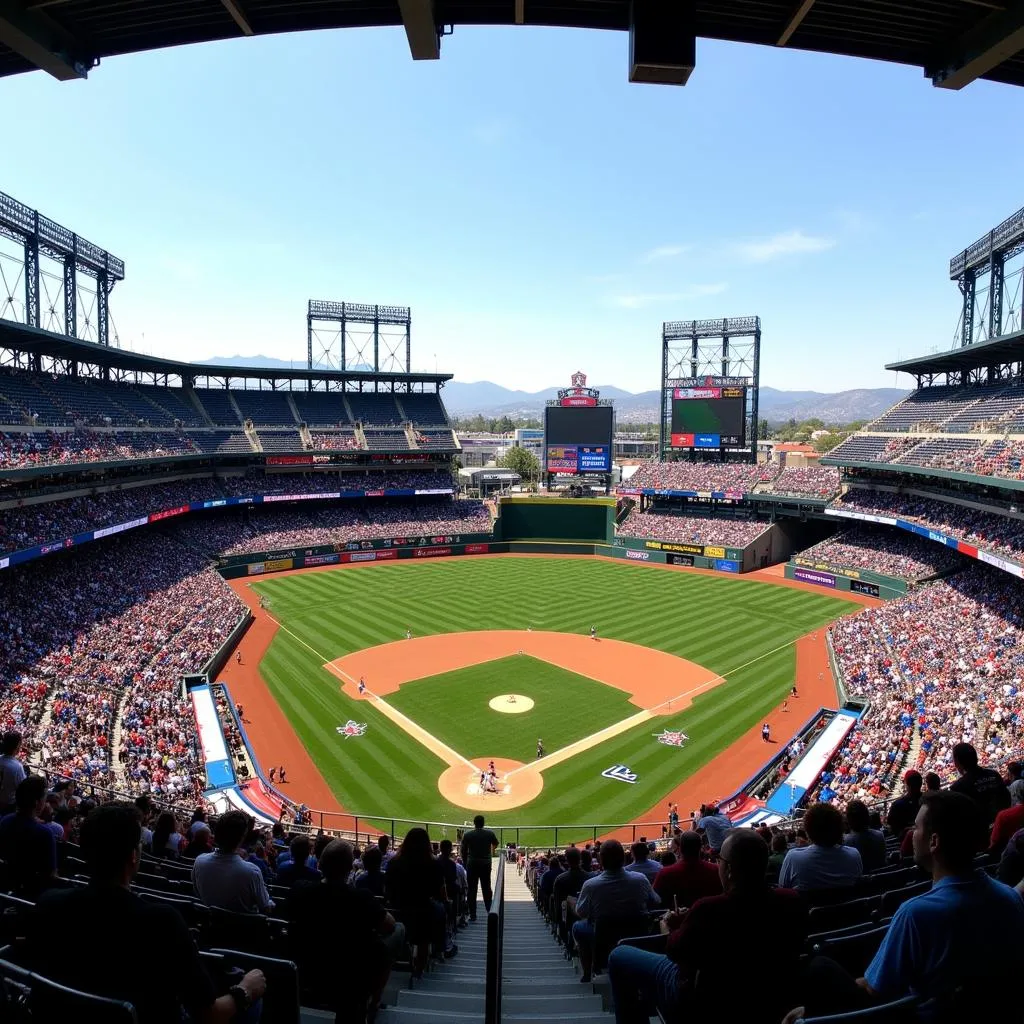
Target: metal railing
(495, 944)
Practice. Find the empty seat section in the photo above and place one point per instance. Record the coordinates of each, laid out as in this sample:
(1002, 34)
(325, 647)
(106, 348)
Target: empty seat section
(280, 440)
(368, 408)
(21, 398)
(265, 408)
(320, 408)
(941, 453)
(386, 440)
(439, 440)
(221, 440)
(87, 400)
(217, 403)
(174, 402)
(424, 409)
(871, 448)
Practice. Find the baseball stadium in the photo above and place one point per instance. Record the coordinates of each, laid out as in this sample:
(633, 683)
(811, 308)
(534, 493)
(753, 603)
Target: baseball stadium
(269, 650)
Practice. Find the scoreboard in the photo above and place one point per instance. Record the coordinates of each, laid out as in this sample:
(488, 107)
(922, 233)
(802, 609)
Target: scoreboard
(578, 439)
(709, 417)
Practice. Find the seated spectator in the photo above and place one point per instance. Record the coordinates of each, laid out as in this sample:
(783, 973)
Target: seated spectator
(297, 869)
(1008, 822)
(104, 939)
(751, 924)
(167, 841)
(779, 847)
(715, 825)
(26, 844)
(968, 930)
(571, 880)
(690, 878)
(983, 785)
(868, 842)
(547, 880)
(825, 863)
(337, 934)
(12, 771)
(371, 878)
(903, 810)
(201, 842)
(643, 862)
(1014, 772)
(415, 887)
(614, 895)
(223, 879)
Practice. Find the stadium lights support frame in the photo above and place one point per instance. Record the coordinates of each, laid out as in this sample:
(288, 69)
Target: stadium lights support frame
(726, 347)
(346, 335)
(41, 237)
(987, 257)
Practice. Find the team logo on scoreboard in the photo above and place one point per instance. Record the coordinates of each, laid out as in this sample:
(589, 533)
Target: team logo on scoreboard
(672, 739)
(351, 728)
(579, 394)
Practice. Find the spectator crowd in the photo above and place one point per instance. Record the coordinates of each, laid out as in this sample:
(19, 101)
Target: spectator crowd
(886, 551)
(687, 529)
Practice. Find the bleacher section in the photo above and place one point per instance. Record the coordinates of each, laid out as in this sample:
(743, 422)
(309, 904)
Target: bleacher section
(386, 440)
(221, 440)
(439, 440)
(379, 409)
(264, 408)
(423, 410)
(940, 453)
(957, 410)
(217, 403)
(333, 440)
(173, 402)
(871, 448)
(320, 408)
(280, 440)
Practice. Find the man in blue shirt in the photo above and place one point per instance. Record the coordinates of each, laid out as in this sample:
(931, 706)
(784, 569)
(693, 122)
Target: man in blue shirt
(968, 929)
(26, 844)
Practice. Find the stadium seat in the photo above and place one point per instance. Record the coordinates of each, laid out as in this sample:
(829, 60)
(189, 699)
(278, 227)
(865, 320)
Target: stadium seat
(853, 952)
(839, 915)
(895, 898)
(649, 943)
(609, 931)
(41, 1001)
(281, 1003)
(901, 1011)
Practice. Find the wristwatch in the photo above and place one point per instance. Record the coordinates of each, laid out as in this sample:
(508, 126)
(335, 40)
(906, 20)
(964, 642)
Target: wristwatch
(241, 997)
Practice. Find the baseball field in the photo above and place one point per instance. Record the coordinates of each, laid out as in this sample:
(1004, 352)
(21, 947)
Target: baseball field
(705, 655)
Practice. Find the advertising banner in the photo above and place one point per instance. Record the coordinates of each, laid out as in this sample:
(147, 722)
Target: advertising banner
(168, 512)
(685, 393)
(109, 531)
(289, 460)
(301, 497)
(712, 552)
(431, 552)
(360, 556)
(821, 579)
(679, 559)
(639, 556)
(477, 549)
(277, 564)
(254, 568)
(725, 565)
(320, 560)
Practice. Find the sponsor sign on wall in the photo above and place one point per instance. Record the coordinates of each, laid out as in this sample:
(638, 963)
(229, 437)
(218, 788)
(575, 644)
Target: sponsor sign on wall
(638, 556)
(821, 579)
(712, 552)
(477, 549)
(320, 559)
(254, 568)
(431, 552)
(277, 564)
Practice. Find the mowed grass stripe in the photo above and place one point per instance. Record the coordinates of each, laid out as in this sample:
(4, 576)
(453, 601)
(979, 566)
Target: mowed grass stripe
(721, 623)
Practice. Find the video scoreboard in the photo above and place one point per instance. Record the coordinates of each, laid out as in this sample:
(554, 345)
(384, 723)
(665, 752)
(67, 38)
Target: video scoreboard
(577, 436)
(709, 417)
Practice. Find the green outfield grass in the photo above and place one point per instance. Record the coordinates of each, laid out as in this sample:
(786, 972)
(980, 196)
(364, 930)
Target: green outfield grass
(454, 707)
(739, 628)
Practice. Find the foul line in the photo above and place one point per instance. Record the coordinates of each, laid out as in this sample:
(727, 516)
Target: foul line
(452, 757)
(558, 756)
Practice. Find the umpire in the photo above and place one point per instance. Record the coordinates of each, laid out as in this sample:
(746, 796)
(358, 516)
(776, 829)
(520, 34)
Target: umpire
(478, 846)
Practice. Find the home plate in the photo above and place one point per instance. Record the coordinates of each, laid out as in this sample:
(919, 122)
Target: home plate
(460, 784)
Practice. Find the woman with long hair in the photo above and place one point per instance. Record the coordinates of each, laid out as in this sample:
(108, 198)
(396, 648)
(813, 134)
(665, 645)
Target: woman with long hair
(415, 887)
(166, 837)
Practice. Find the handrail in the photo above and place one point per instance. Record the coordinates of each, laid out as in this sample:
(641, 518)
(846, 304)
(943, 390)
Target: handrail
(495, 944)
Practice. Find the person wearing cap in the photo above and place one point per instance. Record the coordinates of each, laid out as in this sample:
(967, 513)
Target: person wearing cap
(903, 810)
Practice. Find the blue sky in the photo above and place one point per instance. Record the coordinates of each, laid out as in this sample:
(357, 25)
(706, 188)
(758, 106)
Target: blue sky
(537, 212)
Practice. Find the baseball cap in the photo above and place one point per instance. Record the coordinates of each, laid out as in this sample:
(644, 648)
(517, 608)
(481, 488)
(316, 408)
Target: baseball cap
(911, 774)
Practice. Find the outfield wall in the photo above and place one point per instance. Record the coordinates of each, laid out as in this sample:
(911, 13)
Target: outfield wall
(587, 520)
(832, 577)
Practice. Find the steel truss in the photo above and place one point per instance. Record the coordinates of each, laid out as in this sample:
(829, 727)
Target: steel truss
(730, 347)
(346, 336)
(40, 237)
(996, 310)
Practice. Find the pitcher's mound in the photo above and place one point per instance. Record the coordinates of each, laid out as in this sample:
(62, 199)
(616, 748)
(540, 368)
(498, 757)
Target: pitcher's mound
(511, 703)
(460, 785)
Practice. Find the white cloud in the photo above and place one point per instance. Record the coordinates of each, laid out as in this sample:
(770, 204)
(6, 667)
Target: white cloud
(639, 300)
(663, 252)
(786, 243)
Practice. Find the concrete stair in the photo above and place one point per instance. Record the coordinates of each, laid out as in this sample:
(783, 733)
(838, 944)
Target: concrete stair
(539, 986)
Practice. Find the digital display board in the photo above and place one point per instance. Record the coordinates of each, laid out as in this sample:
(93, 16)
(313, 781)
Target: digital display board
(578, 439)
(709, 417)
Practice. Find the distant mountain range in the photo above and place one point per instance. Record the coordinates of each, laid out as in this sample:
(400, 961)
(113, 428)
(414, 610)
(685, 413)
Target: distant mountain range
(489, 399)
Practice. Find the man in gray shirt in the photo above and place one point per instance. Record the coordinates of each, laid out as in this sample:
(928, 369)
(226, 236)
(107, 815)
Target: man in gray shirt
(223, 879)
(12, 771)
(642, 862)
(715, 825)
(614, 894)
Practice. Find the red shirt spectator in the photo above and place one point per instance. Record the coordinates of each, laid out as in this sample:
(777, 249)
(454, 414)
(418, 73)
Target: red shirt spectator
(690, 878)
